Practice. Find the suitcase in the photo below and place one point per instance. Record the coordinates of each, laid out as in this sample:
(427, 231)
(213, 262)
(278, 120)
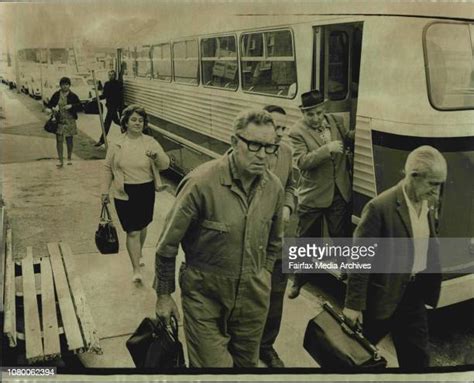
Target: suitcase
(334, 344)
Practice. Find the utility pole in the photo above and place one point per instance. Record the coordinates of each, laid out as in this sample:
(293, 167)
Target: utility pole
(100, 110)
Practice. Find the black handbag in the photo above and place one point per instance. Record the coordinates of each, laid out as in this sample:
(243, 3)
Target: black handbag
(106, 238)
(155, 345)
(335, 344)
(51, 125)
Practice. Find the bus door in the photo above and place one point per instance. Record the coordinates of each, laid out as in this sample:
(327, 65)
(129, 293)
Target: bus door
(336, 66)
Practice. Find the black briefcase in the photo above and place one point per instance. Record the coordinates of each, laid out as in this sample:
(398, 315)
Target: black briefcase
(334, 344)
(154, 345)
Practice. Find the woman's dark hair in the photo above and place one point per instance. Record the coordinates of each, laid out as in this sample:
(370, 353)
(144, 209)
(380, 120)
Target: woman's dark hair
(128, 111)
(65, 80)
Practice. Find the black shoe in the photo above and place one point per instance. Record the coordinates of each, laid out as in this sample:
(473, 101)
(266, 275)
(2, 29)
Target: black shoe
(98, 144)
(294, 291)
(271, 358)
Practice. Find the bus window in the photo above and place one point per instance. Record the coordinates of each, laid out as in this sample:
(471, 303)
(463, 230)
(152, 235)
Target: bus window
(161, 59)
(268, 63)
(219, 62)
(338, 64)
(128, 62)
(450, 65)
(186, 62)
(143, 62)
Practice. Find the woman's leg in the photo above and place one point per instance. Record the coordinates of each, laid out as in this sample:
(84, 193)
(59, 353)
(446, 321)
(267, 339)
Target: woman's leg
(143, 233)
(134, 251)
(143, 236)
(69, 144)
(60, 149)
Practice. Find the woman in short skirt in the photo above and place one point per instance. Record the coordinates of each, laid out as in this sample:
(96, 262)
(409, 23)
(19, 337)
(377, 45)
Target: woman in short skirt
(132, 176)
(67, 103)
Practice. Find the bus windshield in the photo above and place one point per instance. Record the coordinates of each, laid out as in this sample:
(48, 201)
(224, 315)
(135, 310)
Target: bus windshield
(449, 49)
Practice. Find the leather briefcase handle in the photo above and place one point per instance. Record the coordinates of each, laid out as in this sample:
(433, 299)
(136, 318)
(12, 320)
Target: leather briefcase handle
(172, 329)
(355, 332)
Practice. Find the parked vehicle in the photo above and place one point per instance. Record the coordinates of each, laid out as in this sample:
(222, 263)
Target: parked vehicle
(79, 85)
(399, 81)
(34, 85)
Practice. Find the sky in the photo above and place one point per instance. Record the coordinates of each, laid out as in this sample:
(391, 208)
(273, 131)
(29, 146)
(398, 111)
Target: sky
(115, 23)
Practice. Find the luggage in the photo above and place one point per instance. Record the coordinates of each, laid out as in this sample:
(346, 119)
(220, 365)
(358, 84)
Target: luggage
(154, 345)
(106, 238)
(334, 344)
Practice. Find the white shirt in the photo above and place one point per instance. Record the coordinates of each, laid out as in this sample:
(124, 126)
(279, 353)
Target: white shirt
(134, 162)
(421, 233)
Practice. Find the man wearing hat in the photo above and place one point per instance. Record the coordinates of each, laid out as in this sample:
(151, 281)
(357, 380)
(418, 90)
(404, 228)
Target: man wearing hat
(324, 188)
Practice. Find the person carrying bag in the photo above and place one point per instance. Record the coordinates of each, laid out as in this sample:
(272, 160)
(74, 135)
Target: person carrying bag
(51, 125)
(106, 238)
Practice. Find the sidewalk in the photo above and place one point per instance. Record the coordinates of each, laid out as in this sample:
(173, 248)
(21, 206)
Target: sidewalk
(22, 138)
(45, 205)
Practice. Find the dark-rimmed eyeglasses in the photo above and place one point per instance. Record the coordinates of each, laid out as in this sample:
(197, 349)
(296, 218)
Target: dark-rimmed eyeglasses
(257, 146)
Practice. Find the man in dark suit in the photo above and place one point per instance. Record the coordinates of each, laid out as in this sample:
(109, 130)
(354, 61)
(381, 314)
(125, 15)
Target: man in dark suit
(113, 101)
(324, 187)
(281, 165)
(395, 302)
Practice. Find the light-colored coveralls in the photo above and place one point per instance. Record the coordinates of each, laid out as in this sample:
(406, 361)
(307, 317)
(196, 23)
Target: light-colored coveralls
(230, 240)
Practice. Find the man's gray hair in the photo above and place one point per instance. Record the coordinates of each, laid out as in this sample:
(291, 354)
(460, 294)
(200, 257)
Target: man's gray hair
(425, 159)
(256, 116)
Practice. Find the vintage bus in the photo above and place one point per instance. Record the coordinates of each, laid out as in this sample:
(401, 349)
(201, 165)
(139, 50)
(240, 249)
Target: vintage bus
(400, 81)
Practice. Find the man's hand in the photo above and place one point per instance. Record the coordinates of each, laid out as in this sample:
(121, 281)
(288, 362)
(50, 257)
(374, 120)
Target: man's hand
(286, 214)
(67, 107)
(353, 316)
(165, 307)
(335, 147)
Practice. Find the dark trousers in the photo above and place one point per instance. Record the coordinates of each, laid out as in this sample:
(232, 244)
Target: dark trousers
(409, 328)
(113, 114)
(310, 224)
(275, 311)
